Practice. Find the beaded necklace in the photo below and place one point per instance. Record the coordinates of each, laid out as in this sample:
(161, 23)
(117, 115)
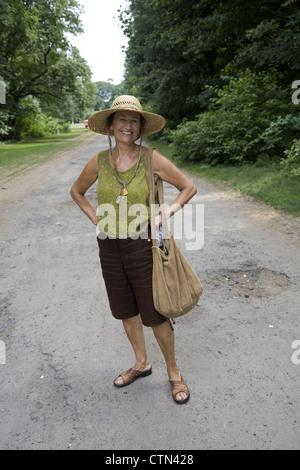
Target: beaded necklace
(123, 189)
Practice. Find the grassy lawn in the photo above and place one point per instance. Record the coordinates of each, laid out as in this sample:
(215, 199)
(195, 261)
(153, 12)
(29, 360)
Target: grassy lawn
(265, 184)
(17, 157)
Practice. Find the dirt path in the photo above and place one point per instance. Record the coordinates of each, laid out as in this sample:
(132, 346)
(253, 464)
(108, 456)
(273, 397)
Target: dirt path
(63, 348)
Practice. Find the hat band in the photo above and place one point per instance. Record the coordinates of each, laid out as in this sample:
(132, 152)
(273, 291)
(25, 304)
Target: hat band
(126, 106)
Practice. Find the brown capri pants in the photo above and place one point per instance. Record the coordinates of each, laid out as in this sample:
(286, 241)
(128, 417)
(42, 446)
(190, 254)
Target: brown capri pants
(127, 272)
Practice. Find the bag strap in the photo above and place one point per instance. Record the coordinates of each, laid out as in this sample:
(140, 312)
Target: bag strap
(150, 181)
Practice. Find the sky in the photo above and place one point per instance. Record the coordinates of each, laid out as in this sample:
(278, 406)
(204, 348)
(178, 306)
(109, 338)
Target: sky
(101, 43)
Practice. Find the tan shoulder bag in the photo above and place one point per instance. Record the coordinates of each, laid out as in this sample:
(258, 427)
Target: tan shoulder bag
(176, 287)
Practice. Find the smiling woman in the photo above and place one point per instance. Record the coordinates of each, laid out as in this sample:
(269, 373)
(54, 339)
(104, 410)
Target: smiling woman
(101, 120)
(129, 122)
(126, 257)
(125, 126)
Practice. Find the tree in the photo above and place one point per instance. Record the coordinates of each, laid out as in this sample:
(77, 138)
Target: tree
(158, 65)
(37, 60)
(178, 47)
(106, 93)
(273, 40)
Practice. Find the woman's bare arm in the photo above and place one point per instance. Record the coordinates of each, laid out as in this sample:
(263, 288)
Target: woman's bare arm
(168, 172)
(86, 179)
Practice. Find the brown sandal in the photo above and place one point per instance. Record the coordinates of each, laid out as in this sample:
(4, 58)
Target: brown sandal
(130, 375)
(177, 387)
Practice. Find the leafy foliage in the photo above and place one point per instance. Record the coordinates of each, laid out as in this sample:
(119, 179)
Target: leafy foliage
(291, 164)
(32, 122)
(251, 119)
(106, 93)
(220, 71)
(178, 47)
(36, 59)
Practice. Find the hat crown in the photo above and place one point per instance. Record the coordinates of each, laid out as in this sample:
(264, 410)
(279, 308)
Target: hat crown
(127, 102)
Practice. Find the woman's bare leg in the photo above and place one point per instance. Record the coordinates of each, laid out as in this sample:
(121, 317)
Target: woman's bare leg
(164, 335)
(134, 330)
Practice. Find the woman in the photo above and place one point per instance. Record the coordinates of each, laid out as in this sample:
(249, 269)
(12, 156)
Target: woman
(126, 260)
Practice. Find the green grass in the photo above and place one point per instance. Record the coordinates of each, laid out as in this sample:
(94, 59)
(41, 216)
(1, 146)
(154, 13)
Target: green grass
(266, 184)
(18, 157)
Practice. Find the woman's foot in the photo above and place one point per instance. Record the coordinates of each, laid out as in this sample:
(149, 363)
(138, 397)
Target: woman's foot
(130, 375)
(180, 391)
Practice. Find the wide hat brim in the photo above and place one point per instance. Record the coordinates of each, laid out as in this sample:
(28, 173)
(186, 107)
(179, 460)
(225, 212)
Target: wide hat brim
(153, 122)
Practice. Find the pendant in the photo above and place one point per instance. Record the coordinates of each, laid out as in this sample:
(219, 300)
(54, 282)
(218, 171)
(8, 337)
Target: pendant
(123, 192)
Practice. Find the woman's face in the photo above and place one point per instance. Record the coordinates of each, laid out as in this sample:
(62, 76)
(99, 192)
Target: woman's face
(126, 126)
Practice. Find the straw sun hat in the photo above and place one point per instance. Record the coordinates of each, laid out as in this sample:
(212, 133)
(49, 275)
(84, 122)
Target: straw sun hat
(153, 122)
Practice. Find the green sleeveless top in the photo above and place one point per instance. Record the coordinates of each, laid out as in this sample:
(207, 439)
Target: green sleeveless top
(130, 217)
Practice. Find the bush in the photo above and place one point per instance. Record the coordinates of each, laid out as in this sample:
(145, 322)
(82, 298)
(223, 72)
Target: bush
(250, 120)
(32, 122)
(291, 165)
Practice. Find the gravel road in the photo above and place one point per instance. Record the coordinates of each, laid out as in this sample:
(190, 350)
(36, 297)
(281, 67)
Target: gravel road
(236, 350)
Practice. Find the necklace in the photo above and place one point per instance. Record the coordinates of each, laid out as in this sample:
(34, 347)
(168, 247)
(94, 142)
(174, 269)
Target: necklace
(124, 190)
